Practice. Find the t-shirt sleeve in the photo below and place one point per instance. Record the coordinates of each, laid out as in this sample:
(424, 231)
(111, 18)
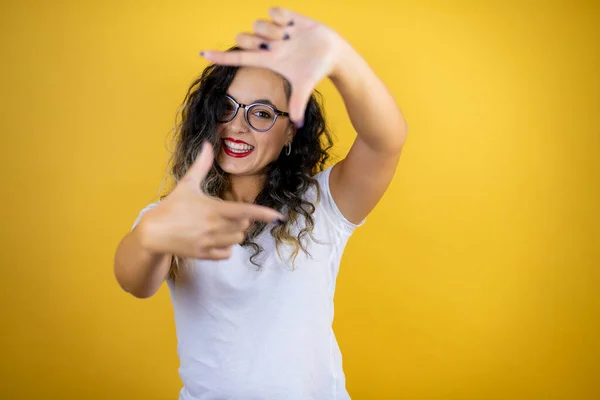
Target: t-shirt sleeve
(329, 206)
(141, 214)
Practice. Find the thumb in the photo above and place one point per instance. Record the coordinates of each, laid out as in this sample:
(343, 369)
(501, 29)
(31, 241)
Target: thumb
(298, 102)
(199, 169)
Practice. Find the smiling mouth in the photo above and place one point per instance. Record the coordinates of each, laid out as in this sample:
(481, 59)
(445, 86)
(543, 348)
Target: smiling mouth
(236, 149)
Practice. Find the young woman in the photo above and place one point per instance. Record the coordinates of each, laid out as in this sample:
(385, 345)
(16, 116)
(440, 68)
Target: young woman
(250, 238)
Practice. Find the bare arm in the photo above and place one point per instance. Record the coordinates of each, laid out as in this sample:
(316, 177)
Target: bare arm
(359, 181)
(139, 270)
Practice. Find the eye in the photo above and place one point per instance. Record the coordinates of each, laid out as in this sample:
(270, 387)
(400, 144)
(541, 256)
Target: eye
(263, 114)
(225, 110)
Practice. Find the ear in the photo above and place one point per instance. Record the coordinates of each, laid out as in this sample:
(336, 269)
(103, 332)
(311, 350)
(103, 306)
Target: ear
(290, 132)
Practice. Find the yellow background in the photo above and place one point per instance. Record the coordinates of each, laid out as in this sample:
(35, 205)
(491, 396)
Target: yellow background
(475, 278)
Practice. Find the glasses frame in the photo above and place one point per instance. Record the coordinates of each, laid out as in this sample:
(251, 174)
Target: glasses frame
(246, 107)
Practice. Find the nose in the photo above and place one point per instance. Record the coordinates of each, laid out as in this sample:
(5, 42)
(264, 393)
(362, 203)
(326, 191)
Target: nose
(239, 124)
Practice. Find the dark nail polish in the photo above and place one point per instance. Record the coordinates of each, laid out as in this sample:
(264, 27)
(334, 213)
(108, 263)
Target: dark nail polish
(299, 124)
(291, 23)
(279, 221)
(286, 36)
(264, 46)
(202, 53)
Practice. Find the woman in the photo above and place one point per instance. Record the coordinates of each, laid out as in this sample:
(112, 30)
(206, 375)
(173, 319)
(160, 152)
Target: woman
(250, 239)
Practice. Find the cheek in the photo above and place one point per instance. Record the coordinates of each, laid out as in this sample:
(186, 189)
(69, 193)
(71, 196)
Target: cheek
(264, 142)
(274, 139)
(271, 145)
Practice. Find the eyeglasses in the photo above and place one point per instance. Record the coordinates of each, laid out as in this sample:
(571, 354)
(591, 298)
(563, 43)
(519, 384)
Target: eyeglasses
(259, 116)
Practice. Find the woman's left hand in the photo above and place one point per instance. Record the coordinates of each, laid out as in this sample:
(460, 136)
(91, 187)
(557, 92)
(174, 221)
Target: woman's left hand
(300, 49)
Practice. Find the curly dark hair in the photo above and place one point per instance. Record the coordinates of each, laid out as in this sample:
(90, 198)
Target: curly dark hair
(288, 178)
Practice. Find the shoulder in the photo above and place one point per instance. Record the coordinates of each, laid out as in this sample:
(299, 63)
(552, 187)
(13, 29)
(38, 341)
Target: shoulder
(326, 206)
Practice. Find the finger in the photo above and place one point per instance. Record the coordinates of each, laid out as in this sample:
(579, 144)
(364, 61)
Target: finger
(216, 253)
(226, 239)
(236, 57)
(281, 16)
(249, 41)
(285, 17)
(268, 30)
(254, 212)
(298, 101)
(199, 169)
(243, 224)
(233, 225)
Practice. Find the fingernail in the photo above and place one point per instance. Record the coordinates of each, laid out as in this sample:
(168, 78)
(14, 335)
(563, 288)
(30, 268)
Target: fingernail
(286, 36)
(279, 221)
(291, 23)
(299, 124)
(202, 53)
(264, 46)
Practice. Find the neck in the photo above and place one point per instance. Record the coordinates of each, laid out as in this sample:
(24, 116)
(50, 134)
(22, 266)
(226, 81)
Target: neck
(244, 189)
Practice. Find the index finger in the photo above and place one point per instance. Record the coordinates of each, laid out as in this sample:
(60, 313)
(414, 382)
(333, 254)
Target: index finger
(236, 58)
(255, 212)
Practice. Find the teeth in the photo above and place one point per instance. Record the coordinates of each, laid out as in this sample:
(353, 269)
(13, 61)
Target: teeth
(237, 147)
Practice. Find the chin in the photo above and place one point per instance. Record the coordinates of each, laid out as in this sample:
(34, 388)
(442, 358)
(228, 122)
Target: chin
(239, 166)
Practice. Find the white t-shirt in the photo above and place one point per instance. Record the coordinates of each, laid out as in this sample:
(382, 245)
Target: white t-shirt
(264, 333)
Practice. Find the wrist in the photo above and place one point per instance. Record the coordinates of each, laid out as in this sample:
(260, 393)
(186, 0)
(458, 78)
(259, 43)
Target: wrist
(345, 61)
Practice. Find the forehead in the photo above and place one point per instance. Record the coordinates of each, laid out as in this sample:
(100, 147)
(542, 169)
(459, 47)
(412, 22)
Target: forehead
(250, 84)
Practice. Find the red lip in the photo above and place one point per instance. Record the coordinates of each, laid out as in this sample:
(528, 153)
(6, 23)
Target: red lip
(236, 155)
(236, 141)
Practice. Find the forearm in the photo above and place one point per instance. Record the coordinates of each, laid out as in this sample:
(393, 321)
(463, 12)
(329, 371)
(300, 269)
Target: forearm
(372, 110)
(138, 270)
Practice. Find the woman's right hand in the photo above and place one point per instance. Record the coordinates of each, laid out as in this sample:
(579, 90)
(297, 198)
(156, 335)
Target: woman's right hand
(188, 223)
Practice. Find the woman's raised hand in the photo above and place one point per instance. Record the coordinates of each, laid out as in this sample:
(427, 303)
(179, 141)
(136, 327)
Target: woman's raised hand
(300, 49)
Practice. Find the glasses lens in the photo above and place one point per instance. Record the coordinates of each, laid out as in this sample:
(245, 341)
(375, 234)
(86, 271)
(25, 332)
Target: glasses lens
(261, 117)
(225, 110)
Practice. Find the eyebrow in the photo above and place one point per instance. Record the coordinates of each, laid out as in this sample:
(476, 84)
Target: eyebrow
(262, 101)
